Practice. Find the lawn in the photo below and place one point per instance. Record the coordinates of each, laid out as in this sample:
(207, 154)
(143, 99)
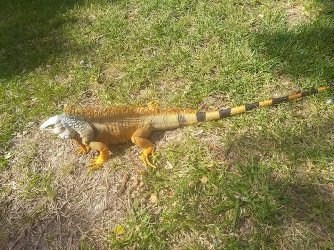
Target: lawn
(260, 180)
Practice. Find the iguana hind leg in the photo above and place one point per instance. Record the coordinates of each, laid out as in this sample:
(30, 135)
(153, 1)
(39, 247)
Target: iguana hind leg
(104, 154)
(139, 138)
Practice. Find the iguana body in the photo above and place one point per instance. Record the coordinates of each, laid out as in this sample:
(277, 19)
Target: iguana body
(96, 127)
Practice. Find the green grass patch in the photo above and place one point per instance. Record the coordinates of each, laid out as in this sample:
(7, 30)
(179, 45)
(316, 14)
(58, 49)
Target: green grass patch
(260, 180)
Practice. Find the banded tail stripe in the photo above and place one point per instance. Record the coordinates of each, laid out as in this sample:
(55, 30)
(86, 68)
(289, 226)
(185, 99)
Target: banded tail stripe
(223, 113)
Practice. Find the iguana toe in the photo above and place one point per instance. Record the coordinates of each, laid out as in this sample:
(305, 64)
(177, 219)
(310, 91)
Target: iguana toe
(82, 150)
(145, 157)
(96, 163)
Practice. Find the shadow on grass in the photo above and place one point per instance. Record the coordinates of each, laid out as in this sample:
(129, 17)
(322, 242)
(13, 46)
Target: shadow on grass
(301, 192)
(306, 50)
(30, 33)
(311, 145)
(268, 209)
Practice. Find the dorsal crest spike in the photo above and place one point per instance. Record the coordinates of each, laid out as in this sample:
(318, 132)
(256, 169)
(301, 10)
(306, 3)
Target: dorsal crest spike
(67, 109)
(99, 111)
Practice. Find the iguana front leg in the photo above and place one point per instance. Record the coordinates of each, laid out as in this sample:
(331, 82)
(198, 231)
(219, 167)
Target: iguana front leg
(104, 154)
(83, 149)
(139, 138)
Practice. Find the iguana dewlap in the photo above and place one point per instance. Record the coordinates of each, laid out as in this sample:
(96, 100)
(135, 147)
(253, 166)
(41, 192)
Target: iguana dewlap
(96, 127)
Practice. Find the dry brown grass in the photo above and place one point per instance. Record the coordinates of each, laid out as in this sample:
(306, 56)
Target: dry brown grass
(75, 208)
(80, 208)
(296, 15)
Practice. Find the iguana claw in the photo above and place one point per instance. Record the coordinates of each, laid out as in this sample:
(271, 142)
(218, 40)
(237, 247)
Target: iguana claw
(96, 163)
(83, 149)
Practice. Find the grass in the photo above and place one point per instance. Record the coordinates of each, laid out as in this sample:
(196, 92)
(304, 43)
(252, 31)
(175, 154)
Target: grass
(259, 180)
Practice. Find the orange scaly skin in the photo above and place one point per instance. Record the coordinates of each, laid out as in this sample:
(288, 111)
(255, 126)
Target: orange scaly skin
(97, 127)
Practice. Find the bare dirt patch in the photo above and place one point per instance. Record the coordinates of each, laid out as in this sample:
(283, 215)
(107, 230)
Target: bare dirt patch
(296, 14)
(49, 200)
(109, 73)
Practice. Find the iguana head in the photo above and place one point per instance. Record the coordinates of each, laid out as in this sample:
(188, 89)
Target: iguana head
(59, 125)
(69, 127)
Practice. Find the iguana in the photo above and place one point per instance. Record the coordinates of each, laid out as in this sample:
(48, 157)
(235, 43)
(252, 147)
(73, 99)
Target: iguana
(97, 127)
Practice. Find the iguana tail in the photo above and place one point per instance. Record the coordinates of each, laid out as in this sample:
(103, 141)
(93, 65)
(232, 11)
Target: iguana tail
(180, 118)
(222, 113)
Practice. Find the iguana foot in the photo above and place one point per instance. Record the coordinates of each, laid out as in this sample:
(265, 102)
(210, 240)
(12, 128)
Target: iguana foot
(83, 149)
(145, 156)
(96, 163)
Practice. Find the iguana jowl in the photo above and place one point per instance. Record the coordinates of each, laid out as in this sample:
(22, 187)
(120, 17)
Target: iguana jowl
(96, 127)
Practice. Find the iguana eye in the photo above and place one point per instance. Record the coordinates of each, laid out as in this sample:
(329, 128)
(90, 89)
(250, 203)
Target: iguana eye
(51, 126)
